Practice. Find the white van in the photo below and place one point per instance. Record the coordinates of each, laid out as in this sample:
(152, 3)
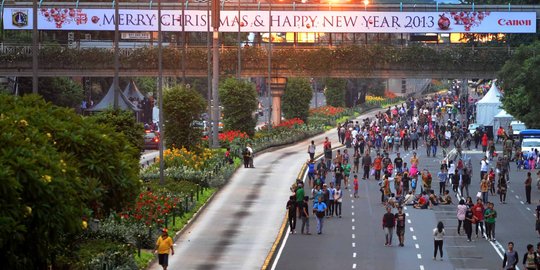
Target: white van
(528, 144)
(517, 127)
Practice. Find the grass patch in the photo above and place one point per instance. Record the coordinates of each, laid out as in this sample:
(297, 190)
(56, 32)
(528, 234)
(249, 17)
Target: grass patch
(146, 257)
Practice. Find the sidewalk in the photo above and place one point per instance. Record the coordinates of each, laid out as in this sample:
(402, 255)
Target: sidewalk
(238, 228)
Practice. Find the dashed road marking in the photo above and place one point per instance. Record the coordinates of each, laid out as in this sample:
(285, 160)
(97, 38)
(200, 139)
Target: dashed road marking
(521, 202)
(517, 197)
(352, 200)
(352, 213)
(528, 208)
(409, 221)
(354, 266)
(419, 256)
(411, 228)
(353, 220)
(414, 237)
(352, 206)
(404, 207)
(407, 214)
(353, 236)
(354, 255)
(353, 228)
(353, 244)
(421, 267)
(416, 246)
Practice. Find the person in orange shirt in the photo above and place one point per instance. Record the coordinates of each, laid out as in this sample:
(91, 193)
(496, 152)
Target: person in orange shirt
(163, 244)
(377, 165)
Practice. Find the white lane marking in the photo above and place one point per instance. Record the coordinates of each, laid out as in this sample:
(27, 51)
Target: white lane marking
(353, 220)
(353, 244)
(407, 214)
(352, 206)
(404, 207)
(528, 208)
(414, 237)
(421, 267)
(352, 201)
(353, 228)
(419, 256)
(416, 246)
(521, 202)
(512, 190)
(517, 197)
(354, 255)
(409, 221)
(411, 228)
(350, 195)
(353, 236)
(354, 266)
(352, 213)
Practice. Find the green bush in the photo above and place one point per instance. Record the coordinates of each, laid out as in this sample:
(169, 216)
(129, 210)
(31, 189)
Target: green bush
(335, 92)
(56, 166)
(124, 122)
(239, 100)
(182, 106)
(297, 98)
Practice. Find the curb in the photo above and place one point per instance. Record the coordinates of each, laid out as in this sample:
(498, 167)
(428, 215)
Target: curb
(188, 224)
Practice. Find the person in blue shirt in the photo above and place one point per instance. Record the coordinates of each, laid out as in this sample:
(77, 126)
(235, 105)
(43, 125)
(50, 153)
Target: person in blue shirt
(319, 209)
(311, 171)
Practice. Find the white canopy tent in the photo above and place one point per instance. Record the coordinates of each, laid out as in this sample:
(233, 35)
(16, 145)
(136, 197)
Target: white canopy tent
(489, 106)
(502, 119)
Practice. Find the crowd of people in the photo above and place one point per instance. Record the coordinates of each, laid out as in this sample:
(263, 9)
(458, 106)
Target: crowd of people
(434, 125)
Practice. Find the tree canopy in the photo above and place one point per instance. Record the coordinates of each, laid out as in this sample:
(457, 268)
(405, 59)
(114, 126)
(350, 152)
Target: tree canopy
(239, 100)
(520, 78)
(56, 168)
(335, 92)
(182, 106)
(297, 98)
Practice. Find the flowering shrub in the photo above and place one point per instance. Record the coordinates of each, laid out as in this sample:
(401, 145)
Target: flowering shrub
(389, 94)
(370, 98)
(151, 208)
(290, 123)
(230, 135)
(182, 157)
(326, 111)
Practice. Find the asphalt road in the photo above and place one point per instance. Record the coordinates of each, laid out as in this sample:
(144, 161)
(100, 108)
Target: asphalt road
(356, 241)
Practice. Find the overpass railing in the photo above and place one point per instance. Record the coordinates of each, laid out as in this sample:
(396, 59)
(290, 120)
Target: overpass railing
(306, 60)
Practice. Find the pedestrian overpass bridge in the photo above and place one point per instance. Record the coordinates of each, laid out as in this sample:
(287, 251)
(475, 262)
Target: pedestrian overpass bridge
(372, 61)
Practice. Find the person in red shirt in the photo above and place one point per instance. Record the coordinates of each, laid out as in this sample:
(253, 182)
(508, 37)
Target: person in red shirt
(377, 165)
(484, 142)
(478, 213)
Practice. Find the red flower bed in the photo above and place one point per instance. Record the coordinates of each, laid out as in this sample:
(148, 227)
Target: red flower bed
(230, 135)
(151, 208)
(291, 122)
(327, 110)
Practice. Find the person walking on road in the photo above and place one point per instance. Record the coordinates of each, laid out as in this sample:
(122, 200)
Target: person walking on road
(291, 207)
(338, 200)
(438, 239)
(400, 226)
(443, 176)
(311, 150)
(163, 244)
(461, 210)
(388, 224)
(511, 258)
(502, 188)
(484, 188)
(319, 208)
(327, 147)
(528, 186)
(366, 163)
(468, 222)
(530, 258)
(478, 212)
(484, 167)
(490, 215)
(304, 214)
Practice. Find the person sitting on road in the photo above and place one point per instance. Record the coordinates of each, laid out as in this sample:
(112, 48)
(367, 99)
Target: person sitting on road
(446, 198)
(423, 201)
(409, 199)
(433, 200)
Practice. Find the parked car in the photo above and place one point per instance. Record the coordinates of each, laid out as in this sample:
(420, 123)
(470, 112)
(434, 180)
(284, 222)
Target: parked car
(151, 140)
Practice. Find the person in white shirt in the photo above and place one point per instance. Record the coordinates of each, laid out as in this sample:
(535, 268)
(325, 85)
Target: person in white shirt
(338, 199)
(438, 237)
(484, 167)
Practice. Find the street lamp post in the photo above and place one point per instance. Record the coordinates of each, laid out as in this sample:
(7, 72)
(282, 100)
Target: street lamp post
(160, 101)
(183, 44)
(268, 81)
(116, 53)
(209, 69)
(239, 70)
(34, 47)
(215, 72)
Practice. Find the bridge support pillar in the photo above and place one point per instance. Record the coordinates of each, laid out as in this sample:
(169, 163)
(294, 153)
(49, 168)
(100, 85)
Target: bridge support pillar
(277, 85)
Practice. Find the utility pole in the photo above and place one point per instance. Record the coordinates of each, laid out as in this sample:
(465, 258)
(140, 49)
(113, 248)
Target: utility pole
(116, 53)
(268, 80)
(34, 47)
(215, 72)
(239, 70)
(209, 66)
(160, 92)
(183, 44)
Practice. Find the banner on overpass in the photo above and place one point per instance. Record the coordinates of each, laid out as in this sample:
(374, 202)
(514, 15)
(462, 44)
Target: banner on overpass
(281, 21)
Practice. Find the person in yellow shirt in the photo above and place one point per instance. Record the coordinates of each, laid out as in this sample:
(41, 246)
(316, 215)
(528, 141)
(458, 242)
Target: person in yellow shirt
(163, 244)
